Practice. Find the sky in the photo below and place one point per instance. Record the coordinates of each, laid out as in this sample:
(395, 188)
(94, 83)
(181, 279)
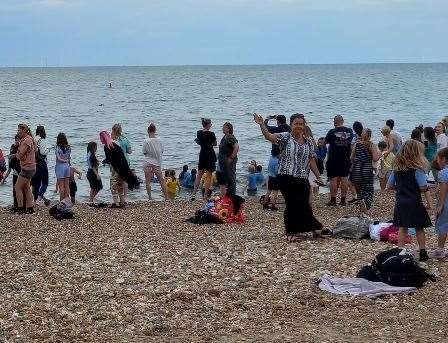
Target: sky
(203, 32)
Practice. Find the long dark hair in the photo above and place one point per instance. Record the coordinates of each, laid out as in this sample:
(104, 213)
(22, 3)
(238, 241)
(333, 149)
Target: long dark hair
(91, 147)
(61, 141)
(230, 127)
(430, 135)
(40, 131)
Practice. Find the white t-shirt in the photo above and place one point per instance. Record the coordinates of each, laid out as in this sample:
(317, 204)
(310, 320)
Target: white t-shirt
(442, 141)
(153, 150)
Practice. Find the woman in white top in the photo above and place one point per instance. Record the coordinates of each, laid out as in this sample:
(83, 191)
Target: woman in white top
(442, 139)
(153, 150)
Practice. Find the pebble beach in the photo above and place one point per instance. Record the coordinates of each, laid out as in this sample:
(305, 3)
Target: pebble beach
(142, 274)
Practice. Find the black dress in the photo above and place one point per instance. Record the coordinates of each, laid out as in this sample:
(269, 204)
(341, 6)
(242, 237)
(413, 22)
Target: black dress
(207, 156)
(362, 174)
(116, 158)
(409, 209)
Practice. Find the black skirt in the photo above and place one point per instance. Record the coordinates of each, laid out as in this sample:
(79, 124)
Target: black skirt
(94, 183)
(298, 215)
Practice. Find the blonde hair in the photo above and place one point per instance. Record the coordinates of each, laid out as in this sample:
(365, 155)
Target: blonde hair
(366, 138)
(386, 131)
(411, 156)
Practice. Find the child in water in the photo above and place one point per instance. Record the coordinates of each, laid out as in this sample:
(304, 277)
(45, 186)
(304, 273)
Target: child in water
(408, 179)
(172, 185)
(189, 179)
(385, 164)
(72, 182)
(252, 180)
(442, 206)
(183, 174)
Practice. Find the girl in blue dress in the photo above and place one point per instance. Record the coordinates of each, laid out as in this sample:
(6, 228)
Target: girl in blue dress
(408, 178)
(442, 207)
(62, 167)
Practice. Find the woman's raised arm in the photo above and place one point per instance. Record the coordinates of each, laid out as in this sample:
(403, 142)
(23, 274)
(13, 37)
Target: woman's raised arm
(273, 138)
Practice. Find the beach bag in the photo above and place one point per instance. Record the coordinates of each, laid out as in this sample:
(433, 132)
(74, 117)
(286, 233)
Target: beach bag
(352, 227)
(61, 211)
(396, 269)
(390, 234)
(376, 229)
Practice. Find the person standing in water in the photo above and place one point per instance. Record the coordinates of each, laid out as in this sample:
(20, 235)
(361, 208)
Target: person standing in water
(153, 151)
(206, 139)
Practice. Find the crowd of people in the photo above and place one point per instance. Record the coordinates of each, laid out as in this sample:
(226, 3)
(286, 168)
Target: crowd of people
(296, 166)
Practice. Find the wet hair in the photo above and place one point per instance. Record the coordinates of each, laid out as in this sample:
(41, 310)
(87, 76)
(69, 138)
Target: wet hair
(390, 123)
(40, 131)
(416, 134)
(167, 172)
(230, 127)
(430, 135)
(173, 173)
(411, 156)
(152, 128)
(205, 122)
(91, 147)
(251, 169)
(185, 168)
(357, 127)
(382, 145)
(281, 119)
(194, 171)
(61, 141)
(259, 168)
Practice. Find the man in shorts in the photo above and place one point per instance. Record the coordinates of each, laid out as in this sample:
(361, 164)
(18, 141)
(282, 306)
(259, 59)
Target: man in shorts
(339, 142)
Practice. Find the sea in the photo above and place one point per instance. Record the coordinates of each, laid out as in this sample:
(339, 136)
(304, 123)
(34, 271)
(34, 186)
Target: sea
(80, 103)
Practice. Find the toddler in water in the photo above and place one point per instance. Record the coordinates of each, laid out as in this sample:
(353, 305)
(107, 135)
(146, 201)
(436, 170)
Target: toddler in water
(251, 180)
(408, 179)
(385, 164)
(189, 179)
(442, 206)
(184, 174)
(172, 185)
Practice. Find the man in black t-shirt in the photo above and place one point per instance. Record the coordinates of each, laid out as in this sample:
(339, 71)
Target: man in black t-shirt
(339, 140)
(280, 128)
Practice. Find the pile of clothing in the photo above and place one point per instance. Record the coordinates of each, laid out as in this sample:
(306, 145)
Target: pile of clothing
(387, 232)
(391, 272)
(218, 210)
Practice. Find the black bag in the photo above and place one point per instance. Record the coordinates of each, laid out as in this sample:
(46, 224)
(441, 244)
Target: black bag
(204, 217)
(60, 212)
(396, 269)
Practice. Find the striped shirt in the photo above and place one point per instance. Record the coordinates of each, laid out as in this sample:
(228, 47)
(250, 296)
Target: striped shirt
(295, 157)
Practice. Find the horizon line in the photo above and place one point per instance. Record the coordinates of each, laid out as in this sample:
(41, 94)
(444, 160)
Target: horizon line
(211, 65)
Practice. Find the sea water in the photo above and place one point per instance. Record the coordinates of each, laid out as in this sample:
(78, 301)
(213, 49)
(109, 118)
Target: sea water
(80, 103)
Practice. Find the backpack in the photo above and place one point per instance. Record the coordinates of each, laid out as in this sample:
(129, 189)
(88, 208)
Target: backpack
(396, 269)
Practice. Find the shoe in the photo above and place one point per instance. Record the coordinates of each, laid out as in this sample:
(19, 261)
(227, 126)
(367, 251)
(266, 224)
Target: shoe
(29, 210)
(423, 255)
(13, 209)
(20, 211)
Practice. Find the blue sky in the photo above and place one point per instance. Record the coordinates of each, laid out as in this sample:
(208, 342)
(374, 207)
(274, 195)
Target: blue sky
(179, 32)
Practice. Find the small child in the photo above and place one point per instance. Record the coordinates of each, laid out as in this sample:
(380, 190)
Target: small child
(172, 185)
(93, 175)
(442, 206)
(252, 179)
(183, 174)
(72, 183)
(190, 179)
(321, 152)
(270, 199)
(408, 178)
(385, 164)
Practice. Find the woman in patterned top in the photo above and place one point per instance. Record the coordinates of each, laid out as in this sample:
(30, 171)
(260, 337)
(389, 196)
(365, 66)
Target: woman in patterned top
(296, 159)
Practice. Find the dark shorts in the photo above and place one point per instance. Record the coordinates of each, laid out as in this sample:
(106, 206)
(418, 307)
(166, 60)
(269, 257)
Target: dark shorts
(94, 183)
(273, 183)
(73, 188)
(338, 168)
(27, 174)
(252, 192)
